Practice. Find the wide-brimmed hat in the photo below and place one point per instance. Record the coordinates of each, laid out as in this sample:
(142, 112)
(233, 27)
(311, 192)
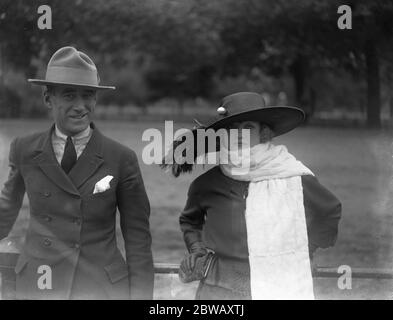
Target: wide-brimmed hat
(69, 66)
(237, 107)
(250, 106)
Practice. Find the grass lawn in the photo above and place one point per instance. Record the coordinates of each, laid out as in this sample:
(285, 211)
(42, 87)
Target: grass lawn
(354, 164)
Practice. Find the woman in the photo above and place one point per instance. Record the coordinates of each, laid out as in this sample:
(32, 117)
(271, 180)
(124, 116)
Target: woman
(263, 220)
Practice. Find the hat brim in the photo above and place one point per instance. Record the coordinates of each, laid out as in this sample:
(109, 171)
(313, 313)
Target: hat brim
(280, 119)
(46, 83)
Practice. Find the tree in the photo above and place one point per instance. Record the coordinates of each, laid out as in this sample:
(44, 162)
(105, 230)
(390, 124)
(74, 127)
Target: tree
(284, 35)
(182, 39)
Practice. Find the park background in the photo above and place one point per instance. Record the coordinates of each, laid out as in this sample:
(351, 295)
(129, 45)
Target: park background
(174, 60)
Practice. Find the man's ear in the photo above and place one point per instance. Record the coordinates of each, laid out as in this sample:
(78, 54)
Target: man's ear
(47, 98)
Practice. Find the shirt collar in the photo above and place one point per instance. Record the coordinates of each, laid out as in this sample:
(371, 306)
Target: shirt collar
(81, 135)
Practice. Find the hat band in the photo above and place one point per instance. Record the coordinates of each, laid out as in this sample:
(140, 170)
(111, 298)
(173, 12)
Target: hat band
(72, 76)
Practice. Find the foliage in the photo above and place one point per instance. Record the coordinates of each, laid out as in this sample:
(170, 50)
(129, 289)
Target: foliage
(182, 49)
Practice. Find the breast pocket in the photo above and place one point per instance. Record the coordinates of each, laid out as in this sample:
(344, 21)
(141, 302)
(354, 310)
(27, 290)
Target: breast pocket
(100, 207)
(104, 194)
(95, 188)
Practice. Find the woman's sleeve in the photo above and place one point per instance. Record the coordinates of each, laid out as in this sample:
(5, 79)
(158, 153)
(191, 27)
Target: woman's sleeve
(192, 219)
(323, 212)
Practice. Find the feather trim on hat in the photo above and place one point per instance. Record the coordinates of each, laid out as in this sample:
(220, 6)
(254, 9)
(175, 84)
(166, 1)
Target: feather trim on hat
(173, 162)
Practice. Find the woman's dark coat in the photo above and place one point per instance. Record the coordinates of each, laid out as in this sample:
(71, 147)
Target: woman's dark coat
(214, 216)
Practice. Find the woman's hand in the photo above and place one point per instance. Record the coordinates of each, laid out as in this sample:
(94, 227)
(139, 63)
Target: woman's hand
(188, 263)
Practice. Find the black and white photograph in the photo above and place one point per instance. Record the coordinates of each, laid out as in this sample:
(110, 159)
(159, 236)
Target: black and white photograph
(196, 150)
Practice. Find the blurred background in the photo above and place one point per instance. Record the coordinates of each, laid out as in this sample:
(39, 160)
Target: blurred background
(177, 56)
(174, 60)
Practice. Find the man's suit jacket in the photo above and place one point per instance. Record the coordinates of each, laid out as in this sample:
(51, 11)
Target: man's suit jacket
(72, 230)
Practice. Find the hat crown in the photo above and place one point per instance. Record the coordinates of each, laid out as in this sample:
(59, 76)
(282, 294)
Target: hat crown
(240, 102)
(250, 106)
(68, 66)
(71, 58)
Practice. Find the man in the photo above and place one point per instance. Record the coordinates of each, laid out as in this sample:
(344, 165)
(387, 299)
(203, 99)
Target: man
(76, 179)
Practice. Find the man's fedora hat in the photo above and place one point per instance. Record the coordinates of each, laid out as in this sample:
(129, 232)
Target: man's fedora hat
(69, 66)
(250, 106)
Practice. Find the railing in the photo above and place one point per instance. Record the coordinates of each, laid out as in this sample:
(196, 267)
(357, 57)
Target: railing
(167, 284)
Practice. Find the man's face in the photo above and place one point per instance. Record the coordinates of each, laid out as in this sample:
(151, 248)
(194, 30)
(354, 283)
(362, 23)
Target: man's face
(72, 107)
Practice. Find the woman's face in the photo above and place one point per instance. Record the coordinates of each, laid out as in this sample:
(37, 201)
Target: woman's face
(242, 140)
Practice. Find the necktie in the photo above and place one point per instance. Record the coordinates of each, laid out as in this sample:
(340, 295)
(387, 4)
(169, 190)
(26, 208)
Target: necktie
(69, 156)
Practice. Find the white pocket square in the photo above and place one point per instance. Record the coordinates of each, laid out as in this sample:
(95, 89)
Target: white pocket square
(103, 185)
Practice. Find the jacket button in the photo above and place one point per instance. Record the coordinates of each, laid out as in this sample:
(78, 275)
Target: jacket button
(75, 246)
(47, 242)
(47, 194)
(77, 221)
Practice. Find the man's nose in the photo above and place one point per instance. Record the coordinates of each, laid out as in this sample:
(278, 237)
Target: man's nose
(80, 104)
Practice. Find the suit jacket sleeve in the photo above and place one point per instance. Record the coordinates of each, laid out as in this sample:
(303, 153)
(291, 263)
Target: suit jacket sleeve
(134, 211)
(323, 212)
(192, 220)
(11, 196)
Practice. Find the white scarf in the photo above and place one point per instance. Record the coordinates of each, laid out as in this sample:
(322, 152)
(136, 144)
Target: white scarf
(262, 162)
(275, 220)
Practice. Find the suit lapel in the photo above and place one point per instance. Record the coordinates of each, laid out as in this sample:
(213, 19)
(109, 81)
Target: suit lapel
(47, 161)
(89, 161)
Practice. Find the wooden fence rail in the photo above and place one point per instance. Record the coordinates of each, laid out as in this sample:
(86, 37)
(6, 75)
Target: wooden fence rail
(318, 272)
(8, 261)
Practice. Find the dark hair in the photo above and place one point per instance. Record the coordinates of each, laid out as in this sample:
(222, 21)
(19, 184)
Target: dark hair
(50, 89)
